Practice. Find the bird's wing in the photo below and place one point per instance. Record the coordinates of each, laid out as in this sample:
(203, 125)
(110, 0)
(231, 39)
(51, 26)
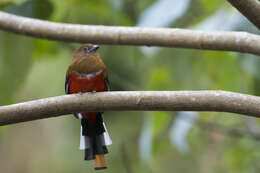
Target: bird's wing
(67, 85)
(67, 82)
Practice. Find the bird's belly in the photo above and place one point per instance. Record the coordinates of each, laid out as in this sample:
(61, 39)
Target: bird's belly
(86, 83)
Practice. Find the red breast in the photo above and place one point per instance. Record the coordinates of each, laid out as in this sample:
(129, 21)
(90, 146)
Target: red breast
(87, 83)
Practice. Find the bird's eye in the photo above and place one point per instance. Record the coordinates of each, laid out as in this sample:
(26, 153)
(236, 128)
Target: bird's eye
(86, 49)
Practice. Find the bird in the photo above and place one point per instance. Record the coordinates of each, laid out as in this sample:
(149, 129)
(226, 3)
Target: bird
(87, 73)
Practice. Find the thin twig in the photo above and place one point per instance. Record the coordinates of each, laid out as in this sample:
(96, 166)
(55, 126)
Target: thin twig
(183, 38)
(249, 8)
(221, 101)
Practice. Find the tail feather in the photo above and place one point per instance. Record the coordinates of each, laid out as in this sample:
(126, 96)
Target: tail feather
(85, 140)
(100, 162)
(94, 146)
(94, 139)
(107, 139)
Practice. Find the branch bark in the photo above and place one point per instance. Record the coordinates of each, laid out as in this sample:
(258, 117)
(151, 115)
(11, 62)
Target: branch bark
(249, 8)
(229, 41)
(221, 101)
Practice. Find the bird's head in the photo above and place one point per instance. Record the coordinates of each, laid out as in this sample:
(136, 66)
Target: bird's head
(86, 51)
(86, 59)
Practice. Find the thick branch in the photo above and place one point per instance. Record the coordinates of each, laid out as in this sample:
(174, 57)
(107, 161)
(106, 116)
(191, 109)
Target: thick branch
(249, 8)
(221, 101)
(229, 41)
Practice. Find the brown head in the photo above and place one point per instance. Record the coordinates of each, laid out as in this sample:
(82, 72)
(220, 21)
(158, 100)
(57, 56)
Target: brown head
(86, 60)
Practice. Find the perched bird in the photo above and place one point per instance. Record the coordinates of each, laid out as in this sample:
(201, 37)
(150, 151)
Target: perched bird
(87, 73)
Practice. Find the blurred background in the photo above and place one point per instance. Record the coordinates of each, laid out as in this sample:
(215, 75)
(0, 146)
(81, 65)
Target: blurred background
(142, 141)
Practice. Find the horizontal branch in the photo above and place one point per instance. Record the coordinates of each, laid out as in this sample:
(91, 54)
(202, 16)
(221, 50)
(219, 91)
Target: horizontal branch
(249, 8)
(220, 101)
(229, 41)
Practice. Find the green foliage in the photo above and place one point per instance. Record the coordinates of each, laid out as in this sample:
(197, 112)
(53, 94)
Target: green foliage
(41, 9)
(15, 62)
(12, 1)
(43, 48)
(5, 4)
(211, 6)
(222, 70)
(88, 12)
(161, 121)
(160, 78)
(243, 156)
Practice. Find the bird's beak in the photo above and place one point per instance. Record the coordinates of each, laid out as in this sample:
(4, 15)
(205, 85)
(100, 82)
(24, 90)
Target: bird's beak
(94, 48)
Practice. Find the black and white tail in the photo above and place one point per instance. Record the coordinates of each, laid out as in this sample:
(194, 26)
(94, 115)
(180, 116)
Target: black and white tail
(94, 139)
